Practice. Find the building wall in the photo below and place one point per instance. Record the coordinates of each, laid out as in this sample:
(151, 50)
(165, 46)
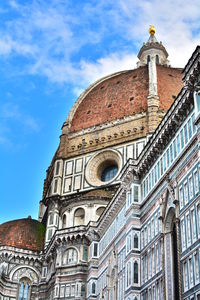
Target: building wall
(116, 246)
(69, 175)
(145, 242)
(19, 267)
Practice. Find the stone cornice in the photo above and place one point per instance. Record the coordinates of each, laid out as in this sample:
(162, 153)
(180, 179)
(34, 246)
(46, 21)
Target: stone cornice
(63, 236)
(156, 45)
(111, 211)
(128, 171)
(97, 128)
(165, 130)
(20, 252)
(104, 137)
(192, 63)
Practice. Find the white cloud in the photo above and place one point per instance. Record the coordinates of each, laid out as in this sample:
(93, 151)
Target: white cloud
(11, 112)
(54, 35)
(13, 4)
(107, 65)
(4, 141)
(12, 121)
(177, 25)
(31, 123)
(89, 72)
(78, 90)
(9, 46)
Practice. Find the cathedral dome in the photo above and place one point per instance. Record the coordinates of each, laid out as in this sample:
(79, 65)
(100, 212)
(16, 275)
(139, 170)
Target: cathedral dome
(121, 95)
(26, 234)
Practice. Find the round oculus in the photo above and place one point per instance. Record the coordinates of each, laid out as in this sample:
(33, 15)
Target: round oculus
(103, 167)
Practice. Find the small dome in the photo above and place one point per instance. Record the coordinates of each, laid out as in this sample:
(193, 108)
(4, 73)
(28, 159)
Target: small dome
(26, 234)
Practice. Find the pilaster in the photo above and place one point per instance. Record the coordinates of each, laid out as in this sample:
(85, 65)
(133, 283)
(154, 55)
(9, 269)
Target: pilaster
(153, 105)
(178, 241)
(63, 149)
(152, 99)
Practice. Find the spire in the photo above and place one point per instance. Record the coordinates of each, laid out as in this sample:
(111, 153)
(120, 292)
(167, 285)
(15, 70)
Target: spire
(152, 48)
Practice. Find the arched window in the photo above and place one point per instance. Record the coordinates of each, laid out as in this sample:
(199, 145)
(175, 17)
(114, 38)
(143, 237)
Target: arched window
(24, 289)
(70, 256)
(136, 241)
(99, 211)
(157, 59)
(64, 221)
(79, 217)
(83, 290)
(93, 288)
(135, 272)
(148, 58)
(50, 218)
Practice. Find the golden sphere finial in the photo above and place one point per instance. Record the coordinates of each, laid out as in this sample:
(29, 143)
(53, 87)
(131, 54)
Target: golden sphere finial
(152, 30)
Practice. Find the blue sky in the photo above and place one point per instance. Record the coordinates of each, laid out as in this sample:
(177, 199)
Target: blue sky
(49, 52)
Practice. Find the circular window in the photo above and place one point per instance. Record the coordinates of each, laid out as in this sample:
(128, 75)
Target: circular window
(109, 173)
(103, 167)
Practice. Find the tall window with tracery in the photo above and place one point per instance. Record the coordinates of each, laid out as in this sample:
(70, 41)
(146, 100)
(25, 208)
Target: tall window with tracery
(136, 244)
(93, 288)
(70, 256)
(135, 272)
(24, 289)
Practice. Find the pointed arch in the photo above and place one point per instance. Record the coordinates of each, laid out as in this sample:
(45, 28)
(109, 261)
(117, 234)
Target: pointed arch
(172, 262)
(135, 268)
(24, 289)
(169, 219)
(136, 241)
(93, 288)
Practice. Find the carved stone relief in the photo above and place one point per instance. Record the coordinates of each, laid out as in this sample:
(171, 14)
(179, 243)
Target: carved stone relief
(25, 272)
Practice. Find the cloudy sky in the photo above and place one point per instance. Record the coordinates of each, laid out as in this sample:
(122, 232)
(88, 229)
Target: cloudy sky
(49, 52)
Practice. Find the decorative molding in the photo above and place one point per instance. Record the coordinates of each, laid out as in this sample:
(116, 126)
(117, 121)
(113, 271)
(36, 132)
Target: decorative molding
(96, 128)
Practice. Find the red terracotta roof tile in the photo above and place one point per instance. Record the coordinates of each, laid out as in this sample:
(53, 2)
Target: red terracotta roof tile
(124, 95)
(26, 234)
